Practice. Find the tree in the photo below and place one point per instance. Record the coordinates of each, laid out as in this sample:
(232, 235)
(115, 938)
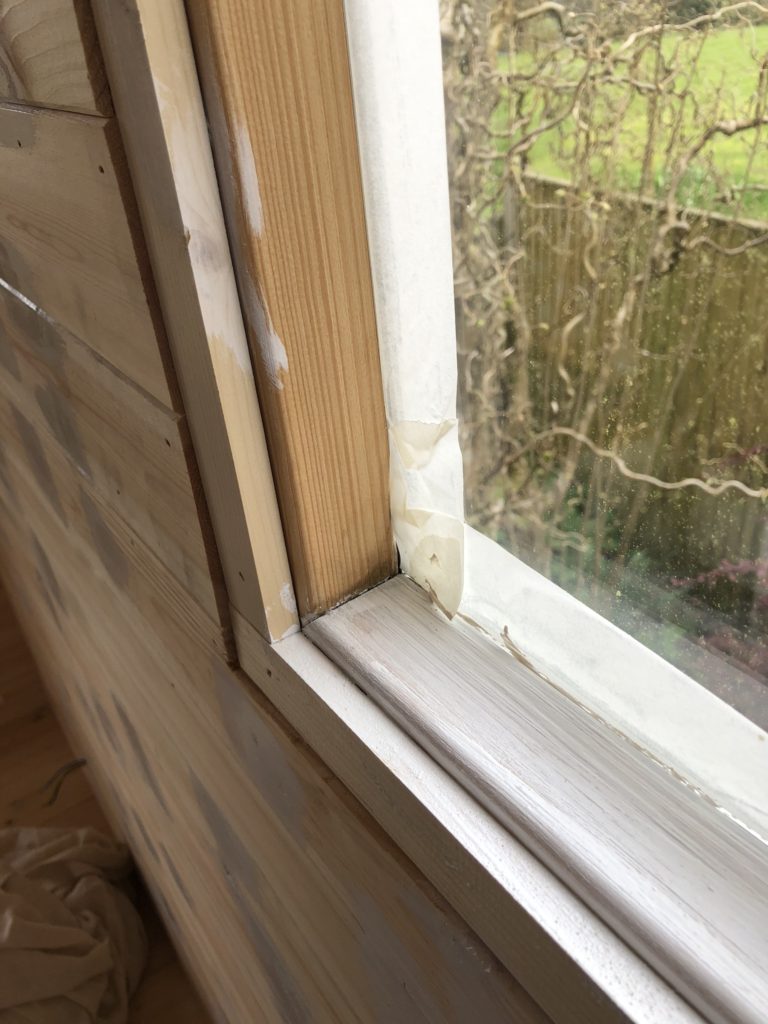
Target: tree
(584, 304)
(686, 10)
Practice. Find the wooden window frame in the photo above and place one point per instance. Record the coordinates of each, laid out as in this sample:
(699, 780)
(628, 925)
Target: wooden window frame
(398, 85)
(275, 78)
(301, 516)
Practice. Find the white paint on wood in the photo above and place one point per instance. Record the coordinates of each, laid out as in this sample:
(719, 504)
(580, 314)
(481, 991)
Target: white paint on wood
(397, 81)
(271, 349)
(680, 723)
(249, 182)
(397, 77)
(67, 237)
(287, 598)
(530, 920)
(682, 885)
(154, 82)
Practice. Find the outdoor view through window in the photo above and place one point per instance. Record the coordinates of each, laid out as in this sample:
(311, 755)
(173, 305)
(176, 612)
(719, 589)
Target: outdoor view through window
(609, 190)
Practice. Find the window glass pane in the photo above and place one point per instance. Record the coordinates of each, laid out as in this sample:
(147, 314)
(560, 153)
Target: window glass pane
(609, 188)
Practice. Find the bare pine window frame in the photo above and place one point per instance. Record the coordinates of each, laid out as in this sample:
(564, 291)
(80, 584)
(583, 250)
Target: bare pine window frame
(614, 905)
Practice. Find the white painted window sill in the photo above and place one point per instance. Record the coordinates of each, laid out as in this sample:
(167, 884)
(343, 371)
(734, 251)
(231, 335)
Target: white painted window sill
(683, 886)
(671, 716)
(570, 961)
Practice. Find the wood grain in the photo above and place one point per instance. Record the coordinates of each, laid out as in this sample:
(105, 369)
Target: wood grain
(288, 900)
(276, 84)
(32, 749)
(38, 474)
(154, 81)
(129, 449)
(49, 56)
(66, 240)
(681, 883)
(526, 916)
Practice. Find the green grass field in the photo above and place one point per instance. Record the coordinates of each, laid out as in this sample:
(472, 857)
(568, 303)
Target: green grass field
(724, 85)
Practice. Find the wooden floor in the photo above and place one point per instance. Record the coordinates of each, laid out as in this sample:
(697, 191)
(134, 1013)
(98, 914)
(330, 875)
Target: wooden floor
(33, 749)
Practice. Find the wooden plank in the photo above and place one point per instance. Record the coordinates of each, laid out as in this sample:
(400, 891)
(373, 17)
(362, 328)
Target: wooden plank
(154, 81)
(49, 56)
(36, 475)
(32, 751)
(67, 242)
(276, 84)
(289, 901)
(129, 448)
(682, 883)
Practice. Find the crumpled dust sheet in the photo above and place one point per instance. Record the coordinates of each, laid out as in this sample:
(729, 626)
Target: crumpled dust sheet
(72, 945)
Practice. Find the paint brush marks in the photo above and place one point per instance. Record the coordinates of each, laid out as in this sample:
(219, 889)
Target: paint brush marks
(249, 183)
(271, 349)
(287, 599)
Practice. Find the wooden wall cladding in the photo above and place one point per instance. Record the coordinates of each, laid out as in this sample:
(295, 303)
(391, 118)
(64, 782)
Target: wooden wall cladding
(66, 242)
(49, 56)
(155, 88)
(129, 448)
(290, 903)
(42, 473)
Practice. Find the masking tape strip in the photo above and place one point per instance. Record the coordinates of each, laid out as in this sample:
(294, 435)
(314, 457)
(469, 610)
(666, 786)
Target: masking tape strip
(397, 81)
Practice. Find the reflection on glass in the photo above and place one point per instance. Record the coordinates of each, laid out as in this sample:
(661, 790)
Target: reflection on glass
(609, 178)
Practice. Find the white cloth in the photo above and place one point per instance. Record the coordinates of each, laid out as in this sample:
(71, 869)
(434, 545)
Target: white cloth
(72, 945)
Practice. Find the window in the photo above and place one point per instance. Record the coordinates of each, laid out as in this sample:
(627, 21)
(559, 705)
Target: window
(579, 657)
(608, 183)
(526, 473)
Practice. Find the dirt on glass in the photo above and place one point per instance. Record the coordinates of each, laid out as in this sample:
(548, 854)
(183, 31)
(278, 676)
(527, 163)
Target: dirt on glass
(609, 187)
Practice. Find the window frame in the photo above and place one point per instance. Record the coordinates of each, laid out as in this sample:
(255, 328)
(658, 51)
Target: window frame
(533, 922)
(275, 82)
(398, 86)
(680, 882)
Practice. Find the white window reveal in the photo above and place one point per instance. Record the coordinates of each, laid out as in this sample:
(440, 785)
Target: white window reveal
(397, 68)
